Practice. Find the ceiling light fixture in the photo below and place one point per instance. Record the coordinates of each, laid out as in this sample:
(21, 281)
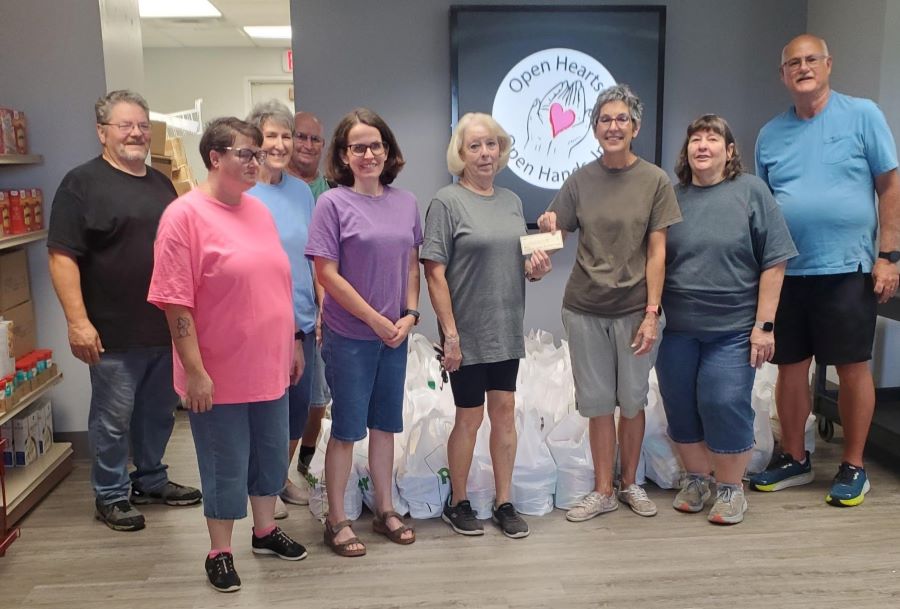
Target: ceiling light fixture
(163, 9)
(269, 32)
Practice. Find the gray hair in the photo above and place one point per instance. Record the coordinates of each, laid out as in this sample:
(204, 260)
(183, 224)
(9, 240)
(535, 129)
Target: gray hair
(272, 110)
(103, 107)
(624, 94)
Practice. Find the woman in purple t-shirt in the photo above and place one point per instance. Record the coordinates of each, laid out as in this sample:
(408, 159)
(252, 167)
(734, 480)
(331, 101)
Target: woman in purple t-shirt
(364, 239)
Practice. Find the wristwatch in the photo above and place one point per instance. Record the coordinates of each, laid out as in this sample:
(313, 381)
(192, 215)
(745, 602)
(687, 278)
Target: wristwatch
(654, 309)
(892, 256)
(413, 312)
(300, 335)
(765, 326)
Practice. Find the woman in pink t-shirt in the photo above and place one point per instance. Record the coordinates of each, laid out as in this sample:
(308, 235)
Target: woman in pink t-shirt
(364, 238)
(224, 281)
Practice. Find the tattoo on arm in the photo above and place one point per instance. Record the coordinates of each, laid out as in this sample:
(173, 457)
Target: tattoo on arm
(182, 327)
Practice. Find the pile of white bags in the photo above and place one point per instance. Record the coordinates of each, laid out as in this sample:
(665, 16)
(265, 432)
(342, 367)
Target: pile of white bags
(568, 444)
(534, 473)
(318, 500)
(423, 477)
(658, 452)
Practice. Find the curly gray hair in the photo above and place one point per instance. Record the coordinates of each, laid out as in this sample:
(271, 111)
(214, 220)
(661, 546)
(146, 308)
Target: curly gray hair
(624, 94)
(272, 110)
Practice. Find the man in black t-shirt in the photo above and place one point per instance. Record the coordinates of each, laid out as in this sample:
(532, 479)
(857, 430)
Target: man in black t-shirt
(102, 227)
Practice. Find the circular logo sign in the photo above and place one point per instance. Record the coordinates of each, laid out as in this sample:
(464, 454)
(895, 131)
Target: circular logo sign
(544, 102)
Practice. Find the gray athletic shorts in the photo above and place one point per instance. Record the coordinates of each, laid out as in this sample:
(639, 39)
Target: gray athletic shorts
(607, 374)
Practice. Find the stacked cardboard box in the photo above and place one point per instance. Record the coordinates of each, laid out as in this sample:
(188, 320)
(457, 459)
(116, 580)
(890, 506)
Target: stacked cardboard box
(15, 301)
(28, 435)
(167, 155)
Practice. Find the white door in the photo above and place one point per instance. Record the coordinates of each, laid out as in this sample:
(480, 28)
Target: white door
(264, 90)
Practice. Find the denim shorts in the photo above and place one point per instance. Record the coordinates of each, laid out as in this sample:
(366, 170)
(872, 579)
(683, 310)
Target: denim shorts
(321, 394)
(242, 449)
(606, 371)
(706, 381)
(367, 380)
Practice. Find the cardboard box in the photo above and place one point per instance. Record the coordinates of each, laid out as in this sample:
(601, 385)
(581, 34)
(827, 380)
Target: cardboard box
(46, 429)
(183, 186)
(24, 433)
(162, 164)
(15, 287)
(9, 451)
(24, 329)
(158, 137)
(175, 151)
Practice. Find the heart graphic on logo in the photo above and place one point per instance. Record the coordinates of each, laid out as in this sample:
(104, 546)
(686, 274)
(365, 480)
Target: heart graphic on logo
(560, 119)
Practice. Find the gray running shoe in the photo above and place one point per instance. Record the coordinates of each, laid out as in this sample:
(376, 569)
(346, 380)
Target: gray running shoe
(461, 518)
(693, 495)
(730, 505)
(636, 498)
(120, 515)
(170, 494)
(512, 525)
(592, 505)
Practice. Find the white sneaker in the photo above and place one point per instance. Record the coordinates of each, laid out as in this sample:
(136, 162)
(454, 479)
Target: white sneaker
(280, 509)
(592, 505)
(297, 494)
(636, 498)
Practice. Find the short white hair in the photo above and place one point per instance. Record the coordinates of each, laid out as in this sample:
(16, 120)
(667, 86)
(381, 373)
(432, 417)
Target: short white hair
(455, 162)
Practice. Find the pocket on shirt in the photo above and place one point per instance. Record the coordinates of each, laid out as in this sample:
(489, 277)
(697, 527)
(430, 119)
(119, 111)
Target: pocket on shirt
(838, 149)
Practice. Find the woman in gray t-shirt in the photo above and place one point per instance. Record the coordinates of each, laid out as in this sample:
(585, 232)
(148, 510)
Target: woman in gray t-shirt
(476, 279)
(724, 268)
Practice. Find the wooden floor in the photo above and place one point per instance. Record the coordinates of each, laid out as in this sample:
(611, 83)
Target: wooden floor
(792, 551)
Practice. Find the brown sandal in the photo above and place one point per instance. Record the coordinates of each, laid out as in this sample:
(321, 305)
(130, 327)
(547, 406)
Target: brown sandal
(379, 525)
(343, 548)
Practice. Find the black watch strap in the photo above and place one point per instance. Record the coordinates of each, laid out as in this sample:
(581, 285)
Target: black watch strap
(893, 256)
(415, 314)
(300, 335)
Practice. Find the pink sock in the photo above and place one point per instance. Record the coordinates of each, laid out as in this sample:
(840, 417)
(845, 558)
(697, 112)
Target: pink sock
(214, 553)
(260, 533)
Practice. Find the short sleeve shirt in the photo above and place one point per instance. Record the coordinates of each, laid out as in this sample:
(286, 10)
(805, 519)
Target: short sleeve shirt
(477, 238)
(226, 264)
(290, 202)
(614, 211)
(731, 233)
(822, 172)
(370, 237)
(106, 219)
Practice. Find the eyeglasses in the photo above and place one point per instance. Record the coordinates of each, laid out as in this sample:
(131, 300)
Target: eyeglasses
(812, 62)
(377, 148)
(315, 140)
(128, 127)
(621, 120)
(248, 154)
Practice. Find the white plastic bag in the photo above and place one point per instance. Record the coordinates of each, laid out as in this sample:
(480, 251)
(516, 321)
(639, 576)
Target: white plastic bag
(762, 399)
(367, 485)
(480, 483)
(534, 473)
(660, 459)
(571, 451)
(423, 477)
(318, 500)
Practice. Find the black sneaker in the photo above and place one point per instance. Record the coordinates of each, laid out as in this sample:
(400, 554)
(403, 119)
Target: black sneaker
(512, 525)
(170, 494)
(278, 543)
(120, 515)
(221, 574)
(461, 518)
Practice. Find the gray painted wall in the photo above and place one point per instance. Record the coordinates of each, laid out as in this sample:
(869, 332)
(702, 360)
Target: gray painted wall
(394, 57)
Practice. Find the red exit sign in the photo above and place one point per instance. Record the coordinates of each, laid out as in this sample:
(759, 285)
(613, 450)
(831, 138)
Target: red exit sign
(287, 61)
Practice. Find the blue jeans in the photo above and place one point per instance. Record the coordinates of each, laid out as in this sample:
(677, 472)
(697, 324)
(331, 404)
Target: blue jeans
(132, 402)
(242, 449)
(299, 395)
(706, 381)
(367, 380)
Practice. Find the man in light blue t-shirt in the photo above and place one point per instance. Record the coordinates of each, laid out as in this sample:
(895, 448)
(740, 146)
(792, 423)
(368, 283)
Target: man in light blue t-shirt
(825, 159)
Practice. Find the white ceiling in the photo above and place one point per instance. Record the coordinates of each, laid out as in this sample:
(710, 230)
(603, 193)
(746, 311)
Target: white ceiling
(224, 31)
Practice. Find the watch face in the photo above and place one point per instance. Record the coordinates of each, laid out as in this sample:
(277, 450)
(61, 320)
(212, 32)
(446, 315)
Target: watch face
(893, 256)
(768, 326)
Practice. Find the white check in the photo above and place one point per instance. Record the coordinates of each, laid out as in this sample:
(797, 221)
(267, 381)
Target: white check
(541, 241)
